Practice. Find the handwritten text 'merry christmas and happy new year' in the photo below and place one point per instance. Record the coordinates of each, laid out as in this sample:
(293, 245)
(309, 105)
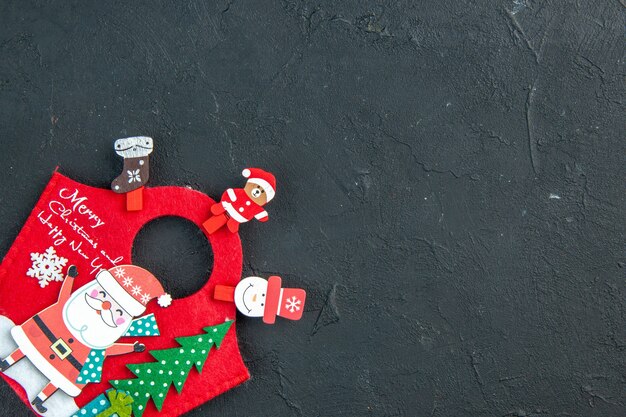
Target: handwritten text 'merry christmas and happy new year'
(68, 208)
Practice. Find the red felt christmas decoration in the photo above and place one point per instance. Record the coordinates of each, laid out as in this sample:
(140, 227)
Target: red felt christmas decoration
(74, 224)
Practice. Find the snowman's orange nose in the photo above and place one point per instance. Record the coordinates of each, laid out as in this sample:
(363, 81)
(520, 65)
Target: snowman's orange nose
(254, 298)
(106, 305)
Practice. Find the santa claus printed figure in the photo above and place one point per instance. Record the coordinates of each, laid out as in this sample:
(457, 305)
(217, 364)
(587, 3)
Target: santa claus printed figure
(240, 205)
(68, 341)
(257, 297)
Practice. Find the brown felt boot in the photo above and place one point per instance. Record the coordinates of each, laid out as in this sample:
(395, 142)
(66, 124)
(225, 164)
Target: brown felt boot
(134, 175)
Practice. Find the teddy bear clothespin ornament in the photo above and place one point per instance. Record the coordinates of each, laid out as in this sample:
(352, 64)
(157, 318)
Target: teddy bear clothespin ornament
(257, 297)
(136, 171)
(240, 205)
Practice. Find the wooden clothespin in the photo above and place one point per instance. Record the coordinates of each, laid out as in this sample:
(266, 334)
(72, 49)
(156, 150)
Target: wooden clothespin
(240, 205)
(136, 171)
(258, 297)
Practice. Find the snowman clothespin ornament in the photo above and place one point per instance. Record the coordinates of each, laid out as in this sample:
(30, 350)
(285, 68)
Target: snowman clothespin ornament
(257, 297)
(240, 205)
(136, 171)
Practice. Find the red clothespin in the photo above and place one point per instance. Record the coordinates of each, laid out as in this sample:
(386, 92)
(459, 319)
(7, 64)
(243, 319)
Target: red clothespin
(134, 200)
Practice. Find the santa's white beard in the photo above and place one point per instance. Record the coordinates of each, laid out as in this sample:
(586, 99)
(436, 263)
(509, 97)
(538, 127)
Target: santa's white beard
(85, 323)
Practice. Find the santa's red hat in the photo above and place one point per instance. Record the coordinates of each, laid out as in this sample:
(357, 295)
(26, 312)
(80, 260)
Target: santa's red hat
(263, 178)
(132, 288)
(284, 302)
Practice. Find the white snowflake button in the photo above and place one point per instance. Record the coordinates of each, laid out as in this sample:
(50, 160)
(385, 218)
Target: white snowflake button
(46, 267)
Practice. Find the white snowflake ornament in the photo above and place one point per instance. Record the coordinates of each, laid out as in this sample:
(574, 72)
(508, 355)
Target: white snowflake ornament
(293, 304)
(133, 176)
(46, 267)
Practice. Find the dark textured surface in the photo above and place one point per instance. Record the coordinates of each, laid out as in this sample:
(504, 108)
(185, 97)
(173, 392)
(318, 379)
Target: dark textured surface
(451, 184)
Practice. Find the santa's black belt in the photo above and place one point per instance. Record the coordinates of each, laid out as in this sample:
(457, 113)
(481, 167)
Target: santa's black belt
(59, 346)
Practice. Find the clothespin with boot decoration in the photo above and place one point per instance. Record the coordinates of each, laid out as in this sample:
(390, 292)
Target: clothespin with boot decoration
(135, 151)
